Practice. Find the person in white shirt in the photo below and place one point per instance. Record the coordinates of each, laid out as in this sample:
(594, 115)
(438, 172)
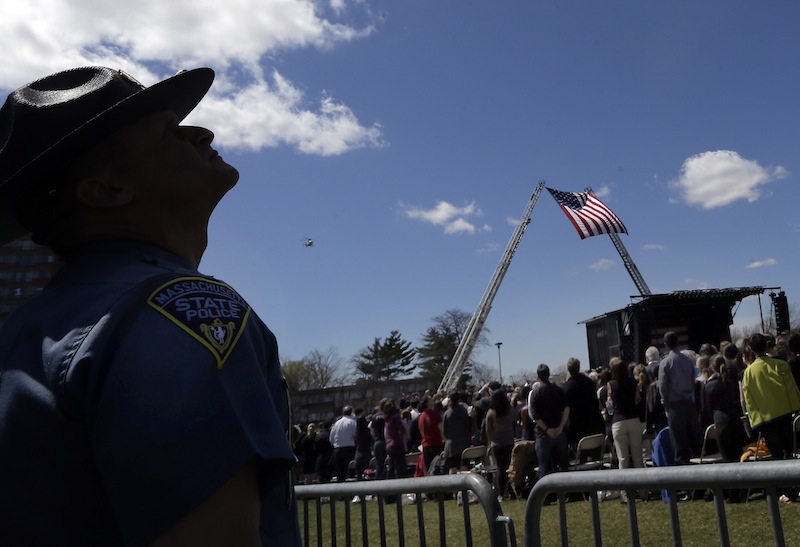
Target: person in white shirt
(343, 439)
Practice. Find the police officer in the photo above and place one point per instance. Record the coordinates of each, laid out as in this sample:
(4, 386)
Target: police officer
(141, 402)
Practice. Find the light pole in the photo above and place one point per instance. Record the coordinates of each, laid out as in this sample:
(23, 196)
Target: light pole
(499, 362)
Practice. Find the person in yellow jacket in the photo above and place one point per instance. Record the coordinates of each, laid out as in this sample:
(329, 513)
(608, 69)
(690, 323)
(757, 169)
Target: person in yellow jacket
(771, 396)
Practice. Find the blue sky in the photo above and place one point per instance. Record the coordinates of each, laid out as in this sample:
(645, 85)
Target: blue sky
(406, 138)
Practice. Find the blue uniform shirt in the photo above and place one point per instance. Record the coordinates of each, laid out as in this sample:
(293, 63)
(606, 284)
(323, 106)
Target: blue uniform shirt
(131, 390)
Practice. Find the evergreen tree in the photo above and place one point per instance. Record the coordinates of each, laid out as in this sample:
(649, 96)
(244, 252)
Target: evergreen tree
(386, 359)
(440, 342)
(438, 347)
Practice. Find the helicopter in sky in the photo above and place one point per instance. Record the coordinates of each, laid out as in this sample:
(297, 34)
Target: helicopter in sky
(308, 242)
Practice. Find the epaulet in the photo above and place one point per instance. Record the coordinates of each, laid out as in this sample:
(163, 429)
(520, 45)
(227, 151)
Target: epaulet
(208, 310)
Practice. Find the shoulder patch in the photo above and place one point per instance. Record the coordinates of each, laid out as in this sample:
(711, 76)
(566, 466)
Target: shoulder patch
(210, 311)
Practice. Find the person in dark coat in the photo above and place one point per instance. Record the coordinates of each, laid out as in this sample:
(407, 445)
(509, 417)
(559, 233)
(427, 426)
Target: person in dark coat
(721, 405)
(655, 416)
(308, 457)
(324, 451)
(584, 417)
(376, 429)
(457, 432)
(547, 405)
(363, 443)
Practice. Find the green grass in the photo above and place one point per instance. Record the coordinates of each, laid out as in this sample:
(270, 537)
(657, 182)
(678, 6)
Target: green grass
(748, 524)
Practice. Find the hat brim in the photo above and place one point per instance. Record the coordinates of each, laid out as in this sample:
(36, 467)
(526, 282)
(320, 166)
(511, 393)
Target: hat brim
(180, 94)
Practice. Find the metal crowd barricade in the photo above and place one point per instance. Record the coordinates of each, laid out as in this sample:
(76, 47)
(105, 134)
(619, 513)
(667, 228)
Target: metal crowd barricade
(501, 528)
(767, 475)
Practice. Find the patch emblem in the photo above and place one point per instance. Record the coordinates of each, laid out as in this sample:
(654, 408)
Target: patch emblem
(211, 312)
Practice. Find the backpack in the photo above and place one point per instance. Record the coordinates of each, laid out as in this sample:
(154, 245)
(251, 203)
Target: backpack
(438, 465)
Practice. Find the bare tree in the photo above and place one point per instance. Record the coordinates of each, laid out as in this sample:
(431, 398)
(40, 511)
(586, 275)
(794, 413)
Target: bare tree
(481, 374)
(327, 368)
(457, 320)
(318, 369)
(296, 374)
(522, 377)
(768, 323)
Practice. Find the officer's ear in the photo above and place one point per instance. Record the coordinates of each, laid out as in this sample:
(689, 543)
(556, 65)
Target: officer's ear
(102, 192)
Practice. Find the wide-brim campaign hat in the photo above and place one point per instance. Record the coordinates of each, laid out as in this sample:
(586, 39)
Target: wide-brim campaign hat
(47, 123)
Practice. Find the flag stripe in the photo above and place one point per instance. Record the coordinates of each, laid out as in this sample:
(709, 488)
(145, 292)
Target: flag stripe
(588, 215)
(605, 214)
(577, 222)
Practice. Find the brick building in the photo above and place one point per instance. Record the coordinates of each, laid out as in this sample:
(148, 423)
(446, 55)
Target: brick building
(314, 405)
(25, 268)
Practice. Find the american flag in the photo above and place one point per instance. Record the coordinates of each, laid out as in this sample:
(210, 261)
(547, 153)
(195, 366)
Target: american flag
(588, 214)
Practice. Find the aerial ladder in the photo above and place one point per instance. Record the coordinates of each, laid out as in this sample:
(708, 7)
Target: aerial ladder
(476, 323)
(633, 271)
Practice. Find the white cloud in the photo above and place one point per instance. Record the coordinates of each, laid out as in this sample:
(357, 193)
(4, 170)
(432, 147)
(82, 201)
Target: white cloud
(489, 248)
(152, 39)
(602, 264)
(695, 284)
(715, 179)
(762, 263)
(458, 226)
(338, 5)
(442, 213)
(447, 215)
(261, 115)
(603, 191)
(654, 247)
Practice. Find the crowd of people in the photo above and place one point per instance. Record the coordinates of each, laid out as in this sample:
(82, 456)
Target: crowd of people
(657, 408)
(437, 426)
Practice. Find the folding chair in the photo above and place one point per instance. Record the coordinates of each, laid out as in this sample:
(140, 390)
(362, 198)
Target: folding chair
(705, 456)
(585, 453)
(795, 431)
(411, 462)
(372, 468)
(755, 457)
(478, 452)
(749, 430)
(610, 452)
(587, 446)
(647, 447)
(522, 470)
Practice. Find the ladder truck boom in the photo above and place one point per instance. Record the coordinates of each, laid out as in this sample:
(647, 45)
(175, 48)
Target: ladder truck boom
(630, 265)
(476, 323)
(633, 271)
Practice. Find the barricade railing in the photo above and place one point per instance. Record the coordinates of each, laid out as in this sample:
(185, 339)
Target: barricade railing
(761, 475)
(337, 496)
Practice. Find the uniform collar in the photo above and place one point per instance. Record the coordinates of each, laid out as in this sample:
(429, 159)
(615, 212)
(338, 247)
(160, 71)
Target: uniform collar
(118, 261)
(138, 250)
